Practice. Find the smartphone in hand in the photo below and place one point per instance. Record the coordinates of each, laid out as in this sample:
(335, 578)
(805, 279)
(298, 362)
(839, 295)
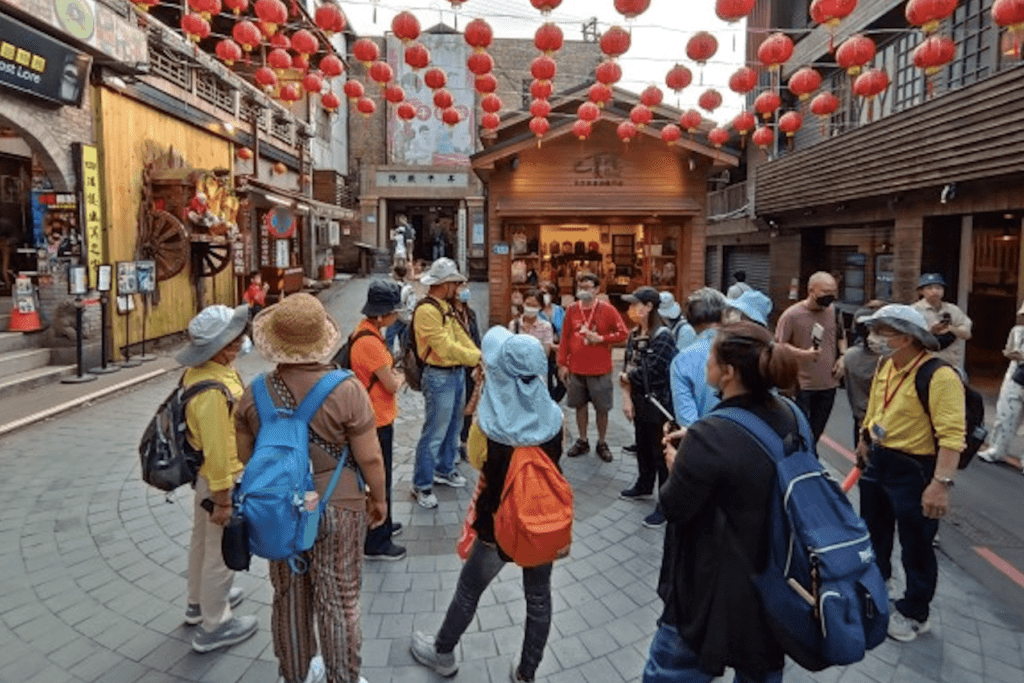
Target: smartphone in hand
(817, 335)
(207, 504)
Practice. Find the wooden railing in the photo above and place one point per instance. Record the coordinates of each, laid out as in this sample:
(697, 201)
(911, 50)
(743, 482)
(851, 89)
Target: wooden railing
(727, 200)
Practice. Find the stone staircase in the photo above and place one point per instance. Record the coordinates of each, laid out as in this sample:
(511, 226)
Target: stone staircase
(23, 363)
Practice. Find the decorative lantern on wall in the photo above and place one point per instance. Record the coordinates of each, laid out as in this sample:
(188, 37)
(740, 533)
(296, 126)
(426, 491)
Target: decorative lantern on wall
(854, 53)
(329, 18)
(265, 78)
(690, 120)
(934, 53)
(548, 39)
(767, 103)
(670, 133)
(615, 42)
(451, 117)
(330, 102)
(366, 106)
(195, 27)
(790, 123)
(744, 122)
(279, 60)
(280, 169)
(365, 51)
(313, 83)
(652, 96)
(394, 93)
(417, 56)
(247, 36)
(406, 111)
(354, 89)
(381, 73)
(641, 115)
(928, 14)
(304, 42)
(406, 26)
(244, 153)
(775, 51)
(824, 104)
(871, 83)
(718, 137)
(803, 82)
(1010, 15)
(582, 129)
(331, 66)
(626, 131)
(478, 34)
(228, 51)
(271, 13)
(763, 137)
(290, 93)
(710, 100)
(743, 80)
(443, 99)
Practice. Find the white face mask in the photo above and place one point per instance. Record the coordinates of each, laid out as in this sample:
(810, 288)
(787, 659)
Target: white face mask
(547, 299)
(880, 345)
(530, 312)
(585, 295)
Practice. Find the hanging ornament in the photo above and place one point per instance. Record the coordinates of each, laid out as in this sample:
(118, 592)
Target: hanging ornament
(195, 27)
(626, 131)
(354, 89)
(490, 122)
(718, 137)
(290, 93)
(543, 68)
(1010, 15)
(228, 51)
(701, 47)
(589, 112)
(366, 106)
(271, 13)
(733, 10)
(540, 109)
(406, 111)
(205, 8)
(670, 133)
(928, 14)
(615, 42)
(265, 78)
(767, 103)
(790, 123)
(600, 94)
(690, 120)
(934, 53)
(435, 78)
(443, 99)
(641, 115)
(678, 77)
(871, 83)
(479, 34)
(854, 53)
(631, 8)
(608, 72)
(330, 102)
(539, 126)
(244, 153)
(237, 6)
(830, 13)
(744, 122)
(490, 103)
(743, 80)
(300, 63)
(803, 82)
(281, 41)
(247, 36)
(279, 60)
(775, 50)
(366, 51)
(451, 117)
(545, 6)
(824, 104)
(548, 39)
(710, 100)
(541, 90)
(144, 5)
(480, 63)
(652, 96)
(394, 93)
(485, 84)
(329, 19)
(582, 129)
(763, 137)
(405, 26)
(304, 43)
(281, 169)
(312, 83)
(417, 56)
(331, 66)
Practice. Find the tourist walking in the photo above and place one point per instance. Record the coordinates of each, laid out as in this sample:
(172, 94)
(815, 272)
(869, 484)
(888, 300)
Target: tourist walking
(1011, 399)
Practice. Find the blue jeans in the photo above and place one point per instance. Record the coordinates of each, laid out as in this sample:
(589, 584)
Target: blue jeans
(482, 565)
(444, 393)
(377, 538)
(672, 661)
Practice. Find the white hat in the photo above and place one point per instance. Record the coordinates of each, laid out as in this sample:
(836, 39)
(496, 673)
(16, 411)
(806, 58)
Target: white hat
(669, 307)
(211, 330)
(905, 319)
(442, 270)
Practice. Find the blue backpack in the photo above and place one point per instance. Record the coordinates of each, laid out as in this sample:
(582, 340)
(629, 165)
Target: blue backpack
(822, 591)
(271, 497)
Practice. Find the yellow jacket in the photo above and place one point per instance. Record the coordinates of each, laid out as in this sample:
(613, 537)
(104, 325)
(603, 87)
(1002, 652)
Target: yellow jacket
(211, 427)
(440, 339)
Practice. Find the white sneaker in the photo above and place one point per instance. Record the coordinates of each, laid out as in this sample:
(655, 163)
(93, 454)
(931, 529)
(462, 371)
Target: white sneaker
(453, 479)
(989, 455)
(905, 629)
(317, 670)
(893, 588)
(425, 498)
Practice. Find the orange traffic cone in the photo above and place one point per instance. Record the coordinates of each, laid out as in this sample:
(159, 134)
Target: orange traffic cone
(24, 322)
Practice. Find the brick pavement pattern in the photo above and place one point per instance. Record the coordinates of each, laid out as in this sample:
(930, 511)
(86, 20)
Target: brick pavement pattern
(94, 563)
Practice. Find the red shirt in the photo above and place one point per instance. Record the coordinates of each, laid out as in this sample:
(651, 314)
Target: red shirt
(590, 359)
(255, 295)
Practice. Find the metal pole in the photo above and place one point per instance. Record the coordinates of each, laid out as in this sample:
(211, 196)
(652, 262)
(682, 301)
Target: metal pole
(104, 369)
(145, 314)
(128, 362)
(81, 376)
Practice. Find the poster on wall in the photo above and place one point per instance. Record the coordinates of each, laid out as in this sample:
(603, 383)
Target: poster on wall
(55, 229)
(127, 282)
(426, 140)
(145, 276)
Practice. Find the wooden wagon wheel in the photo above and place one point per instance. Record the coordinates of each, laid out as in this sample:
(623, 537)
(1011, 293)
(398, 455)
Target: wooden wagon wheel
(210, 258)
(166, 242)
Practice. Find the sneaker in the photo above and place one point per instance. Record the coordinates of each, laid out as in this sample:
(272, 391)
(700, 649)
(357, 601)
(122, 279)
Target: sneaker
(425, 498)
(228, 633)
(317, 672)
(581, 447)
(453, 479)
(631, 448)
(634, 493)
(905, 629)
(396, 528)
(603, 451)
(423, 651)
(388, 553)
(194, 615)
(989, 455)
(893, 589)
(655, 520)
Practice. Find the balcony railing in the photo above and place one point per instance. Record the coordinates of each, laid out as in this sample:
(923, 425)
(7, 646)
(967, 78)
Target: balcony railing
(729, 202)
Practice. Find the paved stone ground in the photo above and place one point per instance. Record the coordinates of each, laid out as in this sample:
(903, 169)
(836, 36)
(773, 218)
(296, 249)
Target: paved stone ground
(93, 573)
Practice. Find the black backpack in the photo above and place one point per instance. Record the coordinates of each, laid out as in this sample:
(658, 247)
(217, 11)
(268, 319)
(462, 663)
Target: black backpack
(412, 362)
(343, 358)
(168, 459)
(976, 431)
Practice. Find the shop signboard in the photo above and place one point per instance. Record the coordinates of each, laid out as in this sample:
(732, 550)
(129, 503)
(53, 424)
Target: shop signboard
(92, 209)
(37, 64)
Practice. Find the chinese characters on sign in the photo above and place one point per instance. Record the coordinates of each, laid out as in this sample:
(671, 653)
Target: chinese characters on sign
(421, 179)
(599, 170)
(92, 210)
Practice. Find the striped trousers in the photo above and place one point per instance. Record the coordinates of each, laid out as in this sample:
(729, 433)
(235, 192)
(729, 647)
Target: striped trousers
(329, 594)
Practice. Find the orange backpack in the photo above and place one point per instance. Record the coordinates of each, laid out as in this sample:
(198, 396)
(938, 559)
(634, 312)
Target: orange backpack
(533, 524)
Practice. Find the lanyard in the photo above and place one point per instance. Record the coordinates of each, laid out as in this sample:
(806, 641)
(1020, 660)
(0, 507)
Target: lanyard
(887, 397)
(592, 312)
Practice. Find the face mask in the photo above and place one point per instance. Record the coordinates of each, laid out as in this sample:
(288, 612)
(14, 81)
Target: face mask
(635, 316)
(585, 295)
(880, 345)
(530, 312)
(464, 295)
(547, 299)
(825, 301)
(247, 346)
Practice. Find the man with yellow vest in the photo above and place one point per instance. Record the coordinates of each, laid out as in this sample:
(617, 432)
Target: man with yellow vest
(909, 453)
(446, 349)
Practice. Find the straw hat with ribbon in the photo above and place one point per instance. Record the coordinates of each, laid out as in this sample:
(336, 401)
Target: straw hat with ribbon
(295, 330)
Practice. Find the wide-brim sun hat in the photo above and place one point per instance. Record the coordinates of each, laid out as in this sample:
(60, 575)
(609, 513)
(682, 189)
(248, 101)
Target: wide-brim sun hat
(754, 304)
(903, 319)
(296, 330)
(669, 307)
(382, 298)
(211, 330)
(515, 408)
(442, 270)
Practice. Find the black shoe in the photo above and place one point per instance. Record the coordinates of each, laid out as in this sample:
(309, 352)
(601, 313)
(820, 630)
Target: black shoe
(655, 520)
(389, 552)
(396, 528)
(633, 493)
(581, 447)
(630, 448)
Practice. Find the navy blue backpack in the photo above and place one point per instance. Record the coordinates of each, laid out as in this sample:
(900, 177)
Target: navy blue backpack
(271, 497)
(821, 590)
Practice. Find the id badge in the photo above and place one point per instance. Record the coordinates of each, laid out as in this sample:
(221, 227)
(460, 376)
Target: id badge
(877, 433)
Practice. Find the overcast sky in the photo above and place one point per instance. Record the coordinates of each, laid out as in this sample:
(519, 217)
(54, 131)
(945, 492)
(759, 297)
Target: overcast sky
(659, 35)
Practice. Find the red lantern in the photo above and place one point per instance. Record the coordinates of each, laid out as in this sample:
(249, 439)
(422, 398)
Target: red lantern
(265, 78)
(205, 8)
(763, 137)
(548, 38)
(670, 133)
(330, 19)
(928, 14)
(366, 51)
(237, 6)
(290, 93)
(443, 99)
(394, 93)
(330, 102)
(541, 90)
(543, 68)
(491, 103)
(272, 13)
(331, 66)
(615, 41)
(480, 63)
(479, 34)
(366, 106)
(405, 26)
(280, 169)
(195, 27)
(451, 116)
(406, 111)
(767, 103)
(244, 153)
(144, 5)
(733, 10)
(710, 100)
(485, 84)
(678, 77)
(279, 59)
(1009, 14)
(804, 82)
(247, 35)
(589, 112)
(354, 89)
(540, 109)
(935, 52)
(831, 12)
(417, 56)
(300, 63)
(631, 8)
(312, 83)
(490, 121)
(626, 131)
(854, 53)
(641, 115)
(743, 80)
(744, 122)
(304, 43)
(775, 50)
(871, 83)
(545, 6)
(652, 96)
(280, 40)
(599, 94)
(824, 104)
(228, 51)
(608, 72)
(718, 137)
(790, 123)
(690, 120)
(701, 47)
(539, 125)
(582, 129)
(435, 78)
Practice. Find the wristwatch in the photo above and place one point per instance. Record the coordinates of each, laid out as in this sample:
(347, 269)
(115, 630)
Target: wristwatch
(945, 481)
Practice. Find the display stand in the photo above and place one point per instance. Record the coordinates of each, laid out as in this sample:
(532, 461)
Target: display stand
(145, 357)
(104, 368)
(82, 376)
(128, 361)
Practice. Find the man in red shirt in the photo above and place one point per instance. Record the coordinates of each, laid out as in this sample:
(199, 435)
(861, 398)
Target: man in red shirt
(590, 329)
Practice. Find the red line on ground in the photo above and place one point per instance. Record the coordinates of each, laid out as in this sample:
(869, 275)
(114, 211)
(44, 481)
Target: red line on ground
(1002, 565)
(838, 448)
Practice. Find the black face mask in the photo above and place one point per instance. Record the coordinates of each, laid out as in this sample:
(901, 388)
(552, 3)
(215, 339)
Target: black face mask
(825, 301)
